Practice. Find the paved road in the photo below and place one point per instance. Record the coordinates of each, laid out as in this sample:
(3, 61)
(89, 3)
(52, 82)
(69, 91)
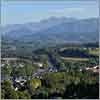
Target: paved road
(16, 59)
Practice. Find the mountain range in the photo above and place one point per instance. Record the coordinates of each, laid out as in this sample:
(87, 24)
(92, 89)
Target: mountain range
(53, 30)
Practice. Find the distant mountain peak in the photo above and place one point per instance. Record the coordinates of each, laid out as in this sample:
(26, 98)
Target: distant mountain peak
(57, 28)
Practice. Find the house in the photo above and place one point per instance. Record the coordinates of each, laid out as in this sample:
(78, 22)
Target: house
(87, 68)
(16, 88)
(39, 64)
(52, 69)
(21, 65)
(18, 83)
(94, 69)
(20, 80)
(2, 65)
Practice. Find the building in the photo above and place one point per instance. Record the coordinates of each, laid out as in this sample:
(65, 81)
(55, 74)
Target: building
(39, 64)
(94, 69)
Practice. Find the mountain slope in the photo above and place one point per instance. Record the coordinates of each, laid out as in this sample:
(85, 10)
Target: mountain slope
(54, 30)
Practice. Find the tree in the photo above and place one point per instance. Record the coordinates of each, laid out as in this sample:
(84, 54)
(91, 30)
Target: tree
(11, 94)
(33, 84)
(29, 69)
(93, 62)
(62, 66)
(18, 72)
(41, 93)
(8, 91)
(45, 64)
(6, 70)
(2, 94)
(23, 95)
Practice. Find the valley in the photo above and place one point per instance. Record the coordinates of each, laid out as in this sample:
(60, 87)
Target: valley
(52, 59)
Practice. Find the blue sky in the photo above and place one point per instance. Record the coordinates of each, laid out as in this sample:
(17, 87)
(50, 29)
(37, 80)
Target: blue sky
(26, 11)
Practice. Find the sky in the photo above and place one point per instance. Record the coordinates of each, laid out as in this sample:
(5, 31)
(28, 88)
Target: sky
(18, 12)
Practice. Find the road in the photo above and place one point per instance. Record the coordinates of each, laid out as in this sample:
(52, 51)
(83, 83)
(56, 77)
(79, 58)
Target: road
(51, 61)
(15, 59)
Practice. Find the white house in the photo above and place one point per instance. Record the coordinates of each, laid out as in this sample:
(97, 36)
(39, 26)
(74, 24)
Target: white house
(38, 64)
(21, 65)
(96, 67)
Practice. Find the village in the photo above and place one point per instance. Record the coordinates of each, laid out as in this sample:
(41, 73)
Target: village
(18, 82)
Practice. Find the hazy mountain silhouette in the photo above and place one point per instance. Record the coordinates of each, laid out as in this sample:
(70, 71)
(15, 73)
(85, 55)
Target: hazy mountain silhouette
(55, 29)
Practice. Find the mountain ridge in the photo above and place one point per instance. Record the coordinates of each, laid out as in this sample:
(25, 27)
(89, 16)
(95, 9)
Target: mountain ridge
(55, 29)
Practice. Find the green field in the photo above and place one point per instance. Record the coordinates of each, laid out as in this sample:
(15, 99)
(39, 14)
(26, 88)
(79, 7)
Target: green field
(94, 52)
(74, 59)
